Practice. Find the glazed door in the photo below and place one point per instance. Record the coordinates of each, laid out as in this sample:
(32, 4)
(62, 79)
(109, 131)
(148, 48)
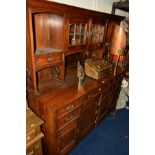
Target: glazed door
(97, 33)
(76, 34)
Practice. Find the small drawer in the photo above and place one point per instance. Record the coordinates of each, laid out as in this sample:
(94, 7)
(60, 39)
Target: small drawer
(97, 91)
(48, 60)
(68, 108)
(34, 149)
(63, 121)
(31, 135)
(103, 88)
(87, 96)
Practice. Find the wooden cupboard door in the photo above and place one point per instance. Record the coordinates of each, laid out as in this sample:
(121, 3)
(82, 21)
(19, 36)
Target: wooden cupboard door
(67, 138)
(115, 92)
(88, 115)
(113, 99)
(102, 106)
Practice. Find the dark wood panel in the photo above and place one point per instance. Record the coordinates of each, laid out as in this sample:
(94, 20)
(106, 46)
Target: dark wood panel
(67, 137)
(103, 106)
(87, 116)
(49, 31)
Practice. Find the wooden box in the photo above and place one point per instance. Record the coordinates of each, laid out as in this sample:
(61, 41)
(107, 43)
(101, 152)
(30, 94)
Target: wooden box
(97, 67)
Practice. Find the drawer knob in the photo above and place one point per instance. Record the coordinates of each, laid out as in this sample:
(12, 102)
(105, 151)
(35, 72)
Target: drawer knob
(50, 59)
(36, 146)
(28, 138)
(31, 153)
(69, 118)
(69, 107)
(89, 95)
(99, 89)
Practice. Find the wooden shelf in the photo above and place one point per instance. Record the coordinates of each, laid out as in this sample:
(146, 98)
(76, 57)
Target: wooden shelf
(46, 51)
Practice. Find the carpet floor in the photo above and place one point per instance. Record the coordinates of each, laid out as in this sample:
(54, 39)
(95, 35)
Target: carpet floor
(110, 137)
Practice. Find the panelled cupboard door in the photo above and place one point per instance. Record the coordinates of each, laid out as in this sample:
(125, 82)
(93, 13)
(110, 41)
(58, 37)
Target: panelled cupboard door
(102, 106)
(67, 137)
(113, 99)
(88, 115)
(76, 34)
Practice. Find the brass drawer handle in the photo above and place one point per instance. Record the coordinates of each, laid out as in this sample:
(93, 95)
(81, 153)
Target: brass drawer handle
(36, 146)
(89, 95)
(69, 118)
(99, 89)
(69, 107)
(31, 152)
(50, 59)
(28, 138)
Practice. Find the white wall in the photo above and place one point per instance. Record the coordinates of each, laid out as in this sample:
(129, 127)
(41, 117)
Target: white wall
(97, 5)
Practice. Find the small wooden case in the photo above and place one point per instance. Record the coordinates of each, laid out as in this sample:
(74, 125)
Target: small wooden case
(97, 67)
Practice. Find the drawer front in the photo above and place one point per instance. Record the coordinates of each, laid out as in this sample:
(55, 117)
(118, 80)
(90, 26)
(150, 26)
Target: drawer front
(97, 91)
(44, 61)
(87, 96)
(66, 119)
(35, 149)
(31, 135)
(68, 108)
(104, 88)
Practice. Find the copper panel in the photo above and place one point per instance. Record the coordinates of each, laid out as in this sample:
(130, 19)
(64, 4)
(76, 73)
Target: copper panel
(118, 40)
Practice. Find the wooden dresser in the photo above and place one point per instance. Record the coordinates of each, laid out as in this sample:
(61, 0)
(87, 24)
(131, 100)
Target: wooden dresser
(57, 37)
(70, 114)
(33, 133)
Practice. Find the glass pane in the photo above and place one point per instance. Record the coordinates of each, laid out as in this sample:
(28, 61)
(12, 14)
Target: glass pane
(101, 38)
(102, 30)
(77, 39)
(78, 29)
(97, 37)
(82, 28)
(71, 40)
(71, 28)
(82, 39)
(93, 38)
(94, 28)
(99, 29)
